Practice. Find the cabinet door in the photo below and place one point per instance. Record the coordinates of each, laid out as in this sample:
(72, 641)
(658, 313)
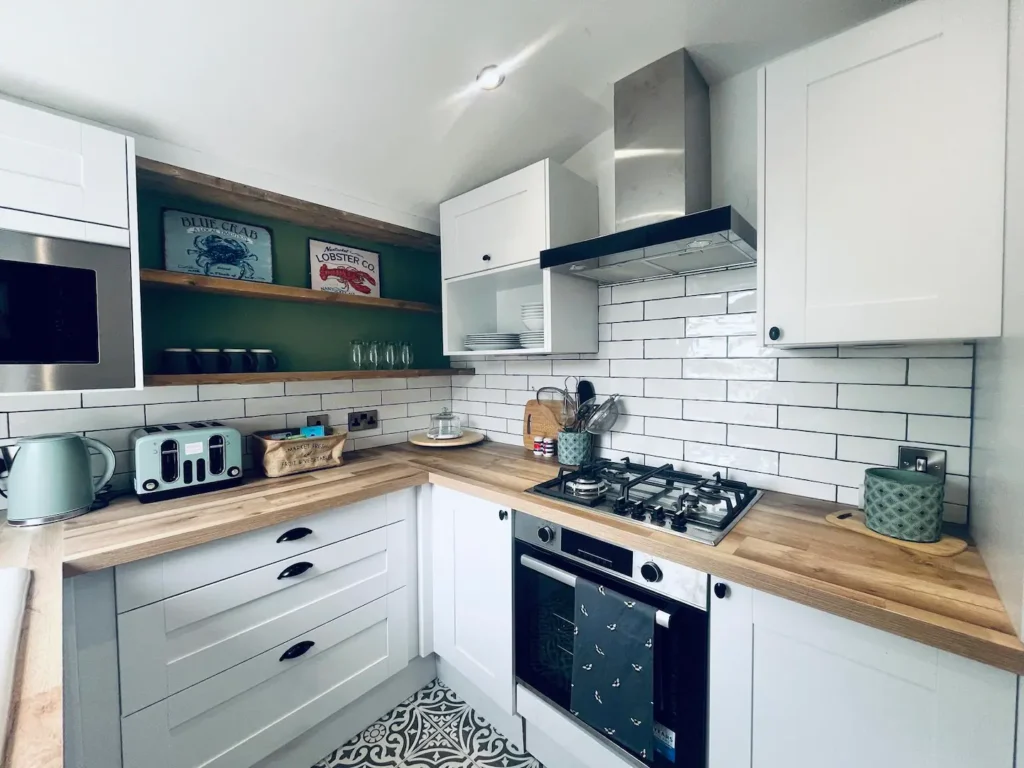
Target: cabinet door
(59, 167)
(473, 591)
(883, 155)
(828, 691)
(501, 223)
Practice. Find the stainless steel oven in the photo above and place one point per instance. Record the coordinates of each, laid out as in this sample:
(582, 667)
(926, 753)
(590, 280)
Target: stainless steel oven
(548, 561)
(67, 320)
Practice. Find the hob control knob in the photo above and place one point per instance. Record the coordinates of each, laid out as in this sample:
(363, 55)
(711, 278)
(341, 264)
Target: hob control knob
(721, 590)
(150, 485)
(546, 534)
(651, 572)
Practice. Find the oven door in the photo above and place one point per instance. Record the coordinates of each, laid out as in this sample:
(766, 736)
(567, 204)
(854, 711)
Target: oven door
(66, 315)
(545, 604)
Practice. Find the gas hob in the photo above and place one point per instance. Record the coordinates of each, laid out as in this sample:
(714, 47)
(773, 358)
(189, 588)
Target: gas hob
(700, 508)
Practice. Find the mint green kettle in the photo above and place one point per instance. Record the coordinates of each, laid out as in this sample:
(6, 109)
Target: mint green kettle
(50, 478)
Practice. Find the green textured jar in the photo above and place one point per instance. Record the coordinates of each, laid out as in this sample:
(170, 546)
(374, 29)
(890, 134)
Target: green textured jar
(574, 448)
(903, 504)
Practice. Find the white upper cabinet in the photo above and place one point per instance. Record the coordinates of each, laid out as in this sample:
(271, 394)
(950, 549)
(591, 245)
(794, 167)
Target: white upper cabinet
(56, 166)
(881, 180)
(511, 220)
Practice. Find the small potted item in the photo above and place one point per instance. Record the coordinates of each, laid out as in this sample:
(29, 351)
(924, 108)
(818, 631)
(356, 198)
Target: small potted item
(445, 426)
(904, 504)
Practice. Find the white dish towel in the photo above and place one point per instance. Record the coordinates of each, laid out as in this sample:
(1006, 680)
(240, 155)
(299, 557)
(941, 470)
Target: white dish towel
(13, 591)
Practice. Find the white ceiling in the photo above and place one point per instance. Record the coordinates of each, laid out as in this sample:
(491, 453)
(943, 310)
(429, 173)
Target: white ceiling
(369, 98)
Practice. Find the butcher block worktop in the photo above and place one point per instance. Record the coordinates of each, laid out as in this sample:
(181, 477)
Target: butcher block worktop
(782, 546)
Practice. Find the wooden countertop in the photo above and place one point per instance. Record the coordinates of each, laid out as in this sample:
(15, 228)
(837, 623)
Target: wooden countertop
(782, 546)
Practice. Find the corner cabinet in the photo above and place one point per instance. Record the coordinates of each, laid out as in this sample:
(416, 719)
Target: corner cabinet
(881, 180)
(491, 239)
(793, 687)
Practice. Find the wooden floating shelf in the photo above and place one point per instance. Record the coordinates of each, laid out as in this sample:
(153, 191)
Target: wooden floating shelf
(163, 380)
(221, 285)
(175, 180)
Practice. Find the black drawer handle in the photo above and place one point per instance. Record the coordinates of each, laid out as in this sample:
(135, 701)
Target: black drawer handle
(297, 650)
(295, 569)
(487, 257)
(294, 534)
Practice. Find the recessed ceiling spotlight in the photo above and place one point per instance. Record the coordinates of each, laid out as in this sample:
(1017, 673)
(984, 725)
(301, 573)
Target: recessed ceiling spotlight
(490, 77)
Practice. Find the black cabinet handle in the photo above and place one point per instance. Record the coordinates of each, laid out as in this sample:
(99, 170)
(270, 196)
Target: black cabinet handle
(721, 590)
(294, 534)
(297, 650)
(503, 514)
(295, 569)
(487, 257)
(775, 333)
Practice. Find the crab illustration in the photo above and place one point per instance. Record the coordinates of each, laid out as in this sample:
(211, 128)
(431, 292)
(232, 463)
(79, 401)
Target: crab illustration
(355, 279)
(222, 257)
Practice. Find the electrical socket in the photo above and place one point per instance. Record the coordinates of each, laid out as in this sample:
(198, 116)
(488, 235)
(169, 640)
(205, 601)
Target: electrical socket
(319, 420)
(360, 421)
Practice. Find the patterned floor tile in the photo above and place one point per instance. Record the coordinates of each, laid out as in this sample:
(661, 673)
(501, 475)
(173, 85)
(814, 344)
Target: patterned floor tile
(432, 729)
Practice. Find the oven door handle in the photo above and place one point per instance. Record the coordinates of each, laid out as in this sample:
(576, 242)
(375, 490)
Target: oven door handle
(663, 619)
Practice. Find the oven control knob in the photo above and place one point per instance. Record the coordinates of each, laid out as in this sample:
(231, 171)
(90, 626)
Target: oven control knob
(651, 572)
(546, 534)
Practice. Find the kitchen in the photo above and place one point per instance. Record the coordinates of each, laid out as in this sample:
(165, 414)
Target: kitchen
(285, 621)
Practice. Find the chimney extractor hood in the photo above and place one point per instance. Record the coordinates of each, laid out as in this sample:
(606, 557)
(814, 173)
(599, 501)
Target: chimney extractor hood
(664, 223)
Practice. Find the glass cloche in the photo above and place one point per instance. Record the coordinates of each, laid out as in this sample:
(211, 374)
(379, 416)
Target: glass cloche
(445, 426)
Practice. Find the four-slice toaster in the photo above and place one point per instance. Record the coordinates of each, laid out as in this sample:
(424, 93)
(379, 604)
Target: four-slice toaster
(176, 460)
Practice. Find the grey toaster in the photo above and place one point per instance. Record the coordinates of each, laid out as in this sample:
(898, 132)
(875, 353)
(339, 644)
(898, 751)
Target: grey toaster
(177, 460)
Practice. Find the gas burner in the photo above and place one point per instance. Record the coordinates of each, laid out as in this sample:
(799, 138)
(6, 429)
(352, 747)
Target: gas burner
(586, 487)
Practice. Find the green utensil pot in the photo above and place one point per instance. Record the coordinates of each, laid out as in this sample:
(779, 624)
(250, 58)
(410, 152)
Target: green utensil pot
(903, 504)
(574, 448)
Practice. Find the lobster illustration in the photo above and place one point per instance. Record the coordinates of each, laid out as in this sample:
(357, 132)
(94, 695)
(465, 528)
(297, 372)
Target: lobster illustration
(355, 279)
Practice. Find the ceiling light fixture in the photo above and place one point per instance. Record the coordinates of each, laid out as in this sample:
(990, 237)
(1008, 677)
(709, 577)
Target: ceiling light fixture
(490, 77)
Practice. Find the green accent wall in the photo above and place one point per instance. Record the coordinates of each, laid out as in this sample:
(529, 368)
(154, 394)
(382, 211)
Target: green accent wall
(305, 337)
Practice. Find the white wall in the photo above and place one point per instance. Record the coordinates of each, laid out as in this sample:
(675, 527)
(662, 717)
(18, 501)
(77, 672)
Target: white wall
(997, 519)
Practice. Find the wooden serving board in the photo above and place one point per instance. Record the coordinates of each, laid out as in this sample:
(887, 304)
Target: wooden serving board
(469, 437)
(541, 419)
(947, 546)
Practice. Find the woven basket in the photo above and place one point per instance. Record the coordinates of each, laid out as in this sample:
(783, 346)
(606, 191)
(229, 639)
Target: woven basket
(278, 458)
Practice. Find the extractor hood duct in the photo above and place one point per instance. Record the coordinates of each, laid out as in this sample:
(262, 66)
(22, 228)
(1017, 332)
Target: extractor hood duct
(663, 217)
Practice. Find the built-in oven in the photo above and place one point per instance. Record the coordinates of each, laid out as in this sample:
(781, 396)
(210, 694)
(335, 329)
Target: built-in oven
(67, 320)
(549, 559)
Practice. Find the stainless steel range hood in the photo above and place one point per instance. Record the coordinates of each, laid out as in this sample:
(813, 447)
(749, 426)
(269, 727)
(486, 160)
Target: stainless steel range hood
(663, 221)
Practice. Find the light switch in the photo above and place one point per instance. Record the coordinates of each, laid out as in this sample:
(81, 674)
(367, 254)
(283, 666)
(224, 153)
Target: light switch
(929, 460)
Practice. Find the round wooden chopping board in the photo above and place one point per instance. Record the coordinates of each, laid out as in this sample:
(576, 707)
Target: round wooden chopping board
(468, 437)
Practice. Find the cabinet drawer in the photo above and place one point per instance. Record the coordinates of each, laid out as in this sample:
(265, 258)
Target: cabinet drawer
(236, 718)
(168, 646)
(156, 578)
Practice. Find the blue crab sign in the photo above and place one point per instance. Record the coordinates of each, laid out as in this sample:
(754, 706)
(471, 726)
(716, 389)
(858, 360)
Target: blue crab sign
(207, 245)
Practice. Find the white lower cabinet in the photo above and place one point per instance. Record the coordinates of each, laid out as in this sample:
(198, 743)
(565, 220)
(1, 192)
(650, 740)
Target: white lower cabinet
(472, 591)
(794, 687)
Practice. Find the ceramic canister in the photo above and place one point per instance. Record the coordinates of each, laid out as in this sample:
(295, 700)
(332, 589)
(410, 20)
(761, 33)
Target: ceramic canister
(903, 504)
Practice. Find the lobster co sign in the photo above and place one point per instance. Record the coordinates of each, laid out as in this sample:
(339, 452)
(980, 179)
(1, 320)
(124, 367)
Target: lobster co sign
(341, 269)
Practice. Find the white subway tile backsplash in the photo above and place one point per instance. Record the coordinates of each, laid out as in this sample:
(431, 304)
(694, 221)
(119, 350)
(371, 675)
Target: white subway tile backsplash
(750, 346)
(687, 306)
(731, 413)
(251, 424)
(779, 484)
(618, 386)
(506, 382)
(262, 406)
(471, 380)
(631, 424)
(317, 387)
(580, 368)
(398, 411)
(840, 370)
(742, 301)
(486, 395)
(783, 393)
(702, 346)
(822, 470)
(474, 421)
(25, 423)
(362, 443)
(937, 372)
(428, 407)
(144, 396)
(42, 402)
(519, 396)
(685, 389)
(851, 496)
(910, 350)
(469, 407)
(604, 295)
(620, 313)
(732, 368)
(721, 325)
(175, 413)
(426, 382)
(665, 288)
(527, 368)
(783, 440)
(613, 350)
(646, 406)
(678, 429)
(715, 282)
(351, 400)
(409, 424)
(728, 456)
(604, 332)
(440, 393)
(650, 329)
(935, 401)
(390, 397)
(641, 444)
(863, 423)
(504, 411)
(648, 369)
(939, 429)
(368, 385)
(487, 366)
(239, 391)
(885, 453)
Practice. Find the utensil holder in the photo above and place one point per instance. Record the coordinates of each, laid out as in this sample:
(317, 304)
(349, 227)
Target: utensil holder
(574, 448)
(903, 504)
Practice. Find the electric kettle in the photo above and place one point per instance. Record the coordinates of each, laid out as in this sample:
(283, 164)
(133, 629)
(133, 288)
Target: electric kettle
(50, 478)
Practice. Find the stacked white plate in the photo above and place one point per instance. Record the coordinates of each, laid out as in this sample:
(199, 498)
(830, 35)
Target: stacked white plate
(532, 340)
(532, 316)
(484, 342)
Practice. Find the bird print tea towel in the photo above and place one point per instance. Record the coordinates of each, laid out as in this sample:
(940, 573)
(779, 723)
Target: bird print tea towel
(613, 667)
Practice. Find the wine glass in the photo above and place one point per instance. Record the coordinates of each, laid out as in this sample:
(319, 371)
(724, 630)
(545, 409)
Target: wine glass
(405, 354)
(373, 355)
(390, 356)
(358, 355)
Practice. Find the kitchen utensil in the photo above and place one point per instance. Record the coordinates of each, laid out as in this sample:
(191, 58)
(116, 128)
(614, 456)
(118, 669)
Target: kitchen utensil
(266, 360)
(903, 504)
(947, 546)
(445, 426)
(574, 448)
(584, 394)
(177, 460)
(541, 418)
(213, 361)
(13, 591)
(50, 478)
(241, 361)
(468, 437)
(357, 353)
(602, 417)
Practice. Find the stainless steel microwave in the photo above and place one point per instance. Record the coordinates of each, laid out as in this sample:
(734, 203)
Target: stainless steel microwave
(68, 319)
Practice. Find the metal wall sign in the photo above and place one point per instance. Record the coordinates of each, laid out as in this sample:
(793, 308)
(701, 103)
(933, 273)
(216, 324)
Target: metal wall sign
(343, 269)
(208, 245)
